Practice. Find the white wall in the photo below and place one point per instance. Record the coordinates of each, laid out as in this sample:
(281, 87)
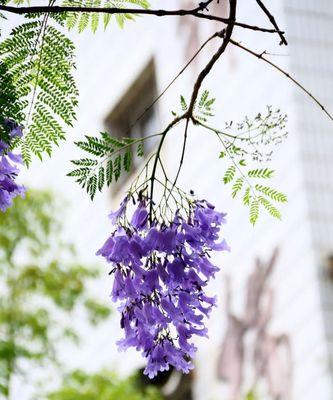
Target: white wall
(107, 64)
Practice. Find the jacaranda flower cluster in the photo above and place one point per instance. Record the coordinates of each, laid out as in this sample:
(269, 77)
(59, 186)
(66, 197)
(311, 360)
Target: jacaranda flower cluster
(160, 273)
(9, 189)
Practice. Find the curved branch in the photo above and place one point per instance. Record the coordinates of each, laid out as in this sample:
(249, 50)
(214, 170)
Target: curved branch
(195, 12)
(157, 156)
(226, 34)
(183, 154)
(260, 56)
(273, 22)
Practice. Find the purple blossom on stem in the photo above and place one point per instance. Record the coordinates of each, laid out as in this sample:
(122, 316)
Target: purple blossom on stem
(160, 274)
(15, 130)
(9, 189)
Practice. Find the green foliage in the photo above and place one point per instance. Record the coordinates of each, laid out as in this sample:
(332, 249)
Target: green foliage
(255, 138)
(81, 21)
(254, 211)
(245, 146)
(261, 173)
(97, 312)
(229, 174)
(243, 149)
(237, 187)
(251, 396)
(247, 196)
(114, 159)
(103, 385)
(11, 105)
(254, 194)
(183, 103)
(269, 207)
(272, 193)
(38, 287)
(203, 108)
(21, 1)
(36, 62)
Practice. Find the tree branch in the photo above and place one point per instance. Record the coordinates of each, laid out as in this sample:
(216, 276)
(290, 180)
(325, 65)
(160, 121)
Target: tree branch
(273, 22)
(216, 34)
(260, 56)
(157, 156)
(227, 37)
(226, 34)
(196, 12)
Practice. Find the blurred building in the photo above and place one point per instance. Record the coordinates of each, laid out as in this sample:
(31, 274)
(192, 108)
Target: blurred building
(272, 332)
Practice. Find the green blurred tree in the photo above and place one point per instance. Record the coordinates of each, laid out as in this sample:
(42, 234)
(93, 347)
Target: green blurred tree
(251, 395)
(39, 285)
(103, 386)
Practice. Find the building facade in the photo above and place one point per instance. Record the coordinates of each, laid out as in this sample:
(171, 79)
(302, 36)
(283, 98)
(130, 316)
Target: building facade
(272, 332)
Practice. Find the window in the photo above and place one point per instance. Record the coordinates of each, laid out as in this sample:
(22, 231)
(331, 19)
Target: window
(125, 119)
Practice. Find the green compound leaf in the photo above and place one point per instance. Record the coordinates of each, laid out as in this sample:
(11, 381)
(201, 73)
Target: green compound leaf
(254, 211)
(270, 207)
(247, 196)
(92, 186)
(183, 103)
(251, 142)
(127, 161)
(85, 162)
(109, 172)
(237, 187)
(261, 173)
(84, 20)
(117, 167)
(114, 157)
(229, 174)
(38, 60)
(101, 178)
(272, 193)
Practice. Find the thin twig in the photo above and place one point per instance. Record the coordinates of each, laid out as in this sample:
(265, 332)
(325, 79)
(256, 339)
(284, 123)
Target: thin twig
(42, 34)
(153, 174)
(260, 56)
(226, 34)
(237, 166)
(273, 22)
(216, 34)
(183, 153)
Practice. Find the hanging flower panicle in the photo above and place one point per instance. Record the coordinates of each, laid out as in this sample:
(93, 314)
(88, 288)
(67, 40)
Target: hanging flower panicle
(160, 273)
(9, 189)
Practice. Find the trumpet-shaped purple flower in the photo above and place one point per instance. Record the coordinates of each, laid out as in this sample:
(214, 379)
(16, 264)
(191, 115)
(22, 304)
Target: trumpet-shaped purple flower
(160, 275)
(9, 189)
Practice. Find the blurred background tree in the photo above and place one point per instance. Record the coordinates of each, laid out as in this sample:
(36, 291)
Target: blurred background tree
(40, 285)
(103, 386)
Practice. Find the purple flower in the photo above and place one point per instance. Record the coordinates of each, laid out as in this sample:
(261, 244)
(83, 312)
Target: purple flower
(15, 130)
(114, 215)
(140, 217)
(9, 189)
(160, 274)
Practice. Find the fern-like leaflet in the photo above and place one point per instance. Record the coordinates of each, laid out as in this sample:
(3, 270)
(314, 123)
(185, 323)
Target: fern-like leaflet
(82, 21)
(254, 194)
(243, 148)
(243, 145)
(39, 60)
(113, 157)
(202, 109)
